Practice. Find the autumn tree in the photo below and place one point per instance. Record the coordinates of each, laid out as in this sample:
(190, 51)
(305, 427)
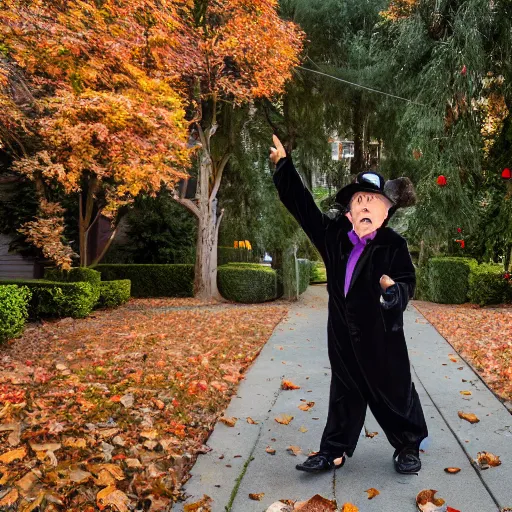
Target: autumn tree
(243, 51)
(106, 112)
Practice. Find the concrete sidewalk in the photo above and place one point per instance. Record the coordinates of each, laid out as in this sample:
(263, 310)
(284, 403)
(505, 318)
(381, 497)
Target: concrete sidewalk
(238, 463)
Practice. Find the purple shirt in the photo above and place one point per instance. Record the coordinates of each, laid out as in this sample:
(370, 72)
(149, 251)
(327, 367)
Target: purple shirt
(359, 244)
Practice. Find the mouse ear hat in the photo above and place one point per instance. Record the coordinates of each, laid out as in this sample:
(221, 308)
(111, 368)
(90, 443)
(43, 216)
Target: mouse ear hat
(399, 191)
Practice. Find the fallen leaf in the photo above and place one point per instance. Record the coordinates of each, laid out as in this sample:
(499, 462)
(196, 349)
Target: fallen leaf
(288, 385)
(369, 434)
(450, 509)
(454, 360)
(10, 498)
(452, 470)
(10, 456)
(74, 442)
(303, 429)
(251, 421)
(487, 459)
(270, 450)
(294, 450)
(256, 497)
(306, 406)
(203, 505)
(112, 497)
(427, 502)
(228, 420)
(316, 504)
(348, 507)
(468, 416)
(372, 492)
(466, 393)
(284, 419)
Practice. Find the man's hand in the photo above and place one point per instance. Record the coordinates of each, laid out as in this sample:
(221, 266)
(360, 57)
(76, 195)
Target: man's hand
(278, 152)
(386, 282)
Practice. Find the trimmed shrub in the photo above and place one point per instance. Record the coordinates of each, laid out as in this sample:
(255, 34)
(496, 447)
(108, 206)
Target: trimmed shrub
(487, 285)
(447, 279)
(13, 310)
(157, 280)
(304, 274)
(230, 254)
(58, 299)
(318, 272)
(114, 293)
(76, 275)
(247, 282)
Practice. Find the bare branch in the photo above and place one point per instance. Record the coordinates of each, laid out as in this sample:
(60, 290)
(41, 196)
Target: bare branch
(218, 175)
(218, 224)
(187, 203)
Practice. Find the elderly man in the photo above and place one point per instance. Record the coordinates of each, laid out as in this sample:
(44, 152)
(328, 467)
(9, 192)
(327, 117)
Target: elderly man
(370, 281)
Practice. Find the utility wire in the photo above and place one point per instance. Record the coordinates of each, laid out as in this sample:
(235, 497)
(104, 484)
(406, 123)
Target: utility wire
(361, 86)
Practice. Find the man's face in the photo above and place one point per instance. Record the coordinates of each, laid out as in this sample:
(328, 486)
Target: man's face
(367, 212)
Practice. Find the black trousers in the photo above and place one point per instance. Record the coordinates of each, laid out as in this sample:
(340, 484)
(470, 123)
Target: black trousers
(398, 412)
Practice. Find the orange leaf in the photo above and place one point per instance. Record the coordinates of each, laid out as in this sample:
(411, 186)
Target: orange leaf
(19, 453)
(348, 507)
(468, 416)
(256, 497)
(372, 492)
(288, 384)
(316, 503)
(306, 406)
(426, 500)
(251, 421)
(270, 450)
(294, 450)
(486, 459)
(10, 498)
(229, 421)
(466, 393)
(284, 419)
(453, 471)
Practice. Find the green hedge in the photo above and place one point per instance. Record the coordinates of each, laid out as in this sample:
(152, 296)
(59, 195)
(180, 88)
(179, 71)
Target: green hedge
(318, 272)
(230, 254)
(156, 280)
(76, 275)
(247, 282)
(304, 274)
(114, 293)
(448, 279)
(58, 299)
(488, 286)
(13, 310)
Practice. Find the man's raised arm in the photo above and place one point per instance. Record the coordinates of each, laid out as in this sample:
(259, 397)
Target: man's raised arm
(297, 198)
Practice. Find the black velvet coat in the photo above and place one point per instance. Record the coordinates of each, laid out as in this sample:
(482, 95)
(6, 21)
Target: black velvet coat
(366, 343)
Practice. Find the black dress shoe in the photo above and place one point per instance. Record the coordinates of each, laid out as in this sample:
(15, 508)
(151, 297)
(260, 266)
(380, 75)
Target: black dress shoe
(407, 460)
(319, 462)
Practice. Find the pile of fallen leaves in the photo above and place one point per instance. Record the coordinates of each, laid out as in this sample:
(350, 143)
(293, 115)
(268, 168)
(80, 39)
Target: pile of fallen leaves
(483, 336)
(110, 412)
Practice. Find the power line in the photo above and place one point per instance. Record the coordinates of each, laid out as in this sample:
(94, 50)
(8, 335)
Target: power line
(361, 86)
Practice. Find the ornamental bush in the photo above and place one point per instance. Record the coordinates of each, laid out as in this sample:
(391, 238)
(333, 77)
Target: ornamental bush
(76, 275)
(304, 274)
(247, 282)
(13, 310)
(447, 279)
(58, 299)
(158, 280)
(488, 286)
(114, 293)
(318, 272)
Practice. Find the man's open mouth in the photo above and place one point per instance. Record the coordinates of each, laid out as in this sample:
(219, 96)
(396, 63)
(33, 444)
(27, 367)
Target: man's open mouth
(366, 219)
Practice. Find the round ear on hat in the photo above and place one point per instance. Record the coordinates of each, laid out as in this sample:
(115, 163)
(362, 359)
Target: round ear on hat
(401, 191)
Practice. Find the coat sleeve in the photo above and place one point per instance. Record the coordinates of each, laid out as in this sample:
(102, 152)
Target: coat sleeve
(300, 203)
(397, 296)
